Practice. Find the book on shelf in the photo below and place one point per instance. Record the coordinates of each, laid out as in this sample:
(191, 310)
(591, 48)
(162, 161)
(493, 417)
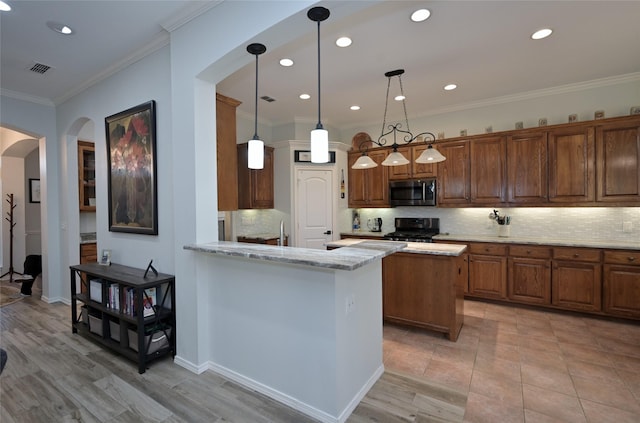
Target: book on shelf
(149, 301)
(130, 302)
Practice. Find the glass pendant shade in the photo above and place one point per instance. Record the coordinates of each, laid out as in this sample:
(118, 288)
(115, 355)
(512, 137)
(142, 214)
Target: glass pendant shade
(430, 155)
(364, 162)
(256, 154)
(319, 146)
(395, 159)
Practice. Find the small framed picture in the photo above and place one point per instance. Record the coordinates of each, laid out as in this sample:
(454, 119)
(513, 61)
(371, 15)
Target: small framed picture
(599, 114)
(34, 190)
(105, 258)
(573, 118)
(463, 133)
(635, 110)
(520, 125)
(542, 122)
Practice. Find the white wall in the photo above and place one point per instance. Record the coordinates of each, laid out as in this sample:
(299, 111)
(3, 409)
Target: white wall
(13, 182)
(32, 213)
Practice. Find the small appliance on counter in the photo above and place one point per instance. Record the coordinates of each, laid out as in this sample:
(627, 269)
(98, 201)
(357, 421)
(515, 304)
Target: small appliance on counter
(414, 229)
(375, 224)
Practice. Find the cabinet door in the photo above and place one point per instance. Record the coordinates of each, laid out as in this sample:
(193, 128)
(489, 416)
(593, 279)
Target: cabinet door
(357, 181)
(622, 290)
(488, 170)
(618, 161)
(577, 285)
(227, 159)
(377, 182)
(262, 183)
(86, 175)
(453, 174)
(572, 175)
(527, 168)
(488, 276)
(404, 171)
(423, 170)
(530, 280)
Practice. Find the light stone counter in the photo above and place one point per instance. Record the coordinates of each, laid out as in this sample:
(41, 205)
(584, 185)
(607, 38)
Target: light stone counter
(611, 244)
(342, 259)
(411, 247)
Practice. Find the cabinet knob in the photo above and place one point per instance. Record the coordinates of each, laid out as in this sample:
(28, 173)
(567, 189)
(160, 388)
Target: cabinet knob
(487, 250)
(632, 258)
(576, 255)
(528, 251)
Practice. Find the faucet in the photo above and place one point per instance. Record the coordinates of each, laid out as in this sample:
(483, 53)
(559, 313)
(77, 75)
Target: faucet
(281, 240)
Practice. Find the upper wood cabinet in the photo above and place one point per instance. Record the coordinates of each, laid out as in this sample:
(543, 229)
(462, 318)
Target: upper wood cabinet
(453, 174)
(413, 170)
(572, 160)
(255, 186)
(87, 176)
(369, 187)
(527, 167)
(488, 170)
(227, 156)
(618, 161)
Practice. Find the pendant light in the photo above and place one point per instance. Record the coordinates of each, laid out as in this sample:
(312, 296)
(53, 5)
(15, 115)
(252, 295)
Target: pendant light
(256, 145)
(319, 136)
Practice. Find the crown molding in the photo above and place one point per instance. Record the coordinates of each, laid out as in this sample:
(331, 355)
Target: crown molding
(195, 9)
(26, 97)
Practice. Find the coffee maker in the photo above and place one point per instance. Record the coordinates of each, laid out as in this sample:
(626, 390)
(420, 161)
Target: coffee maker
(375, 224)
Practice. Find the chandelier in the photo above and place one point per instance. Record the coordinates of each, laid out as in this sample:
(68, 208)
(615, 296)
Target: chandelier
(395, 132)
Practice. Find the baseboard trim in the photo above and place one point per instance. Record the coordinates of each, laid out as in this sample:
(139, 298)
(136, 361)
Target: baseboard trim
(361, 394)
(194, 368)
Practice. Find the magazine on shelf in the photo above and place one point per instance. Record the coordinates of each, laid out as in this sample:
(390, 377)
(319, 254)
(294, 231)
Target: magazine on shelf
(149, 301)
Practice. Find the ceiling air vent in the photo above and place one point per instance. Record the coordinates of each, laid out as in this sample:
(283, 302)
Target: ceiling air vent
(39, 68)
(268, 99)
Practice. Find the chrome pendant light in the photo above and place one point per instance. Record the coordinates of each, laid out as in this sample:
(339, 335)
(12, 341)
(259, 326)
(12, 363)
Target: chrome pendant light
(319, 136)
(256, 145)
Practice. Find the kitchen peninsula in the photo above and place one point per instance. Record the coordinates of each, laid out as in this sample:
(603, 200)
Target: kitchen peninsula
(299, 325)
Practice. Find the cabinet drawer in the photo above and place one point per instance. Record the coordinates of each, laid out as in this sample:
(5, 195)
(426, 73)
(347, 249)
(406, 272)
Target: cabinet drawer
(576, 254)
(488, 249)
(529, 251)
(622, 257)
(88, 250)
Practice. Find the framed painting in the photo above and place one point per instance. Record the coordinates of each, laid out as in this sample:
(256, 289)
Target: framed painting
(34, 190)
(131, 155)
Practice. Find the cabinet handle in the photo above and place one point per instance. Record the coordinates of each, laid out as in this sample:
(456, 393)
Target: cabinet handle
(576, 255)
(632, 258)
(528, 251)
(487, 250)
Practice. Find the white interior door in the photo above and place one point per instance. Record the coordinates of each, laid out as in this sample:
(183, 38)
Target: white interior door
(314, 208)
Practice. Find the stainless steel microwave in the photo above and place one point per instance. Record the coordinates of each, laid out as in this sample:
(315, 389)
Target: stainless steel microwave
(414, 192)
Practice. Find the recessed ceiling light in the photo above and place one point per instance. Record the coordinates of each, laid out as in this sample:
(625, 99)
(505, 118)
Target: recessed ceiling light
(450, 87)
(343, 42)
(399, 98)
(60, 28)
(4, 7)
(305, 96)
(286, 62)
(420, 15)
(355, 107)
(542, 33)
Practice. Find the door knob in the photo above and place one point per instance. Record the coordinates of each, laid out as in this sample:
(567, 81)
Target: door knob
(327, 232)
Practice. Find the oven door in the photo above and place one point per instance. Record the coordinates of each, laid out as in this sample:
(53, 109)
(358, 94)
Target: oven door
(416, 192)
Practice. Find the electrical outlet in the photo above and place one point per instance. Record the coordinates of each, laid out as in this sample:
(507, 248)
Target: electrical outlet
(627, 227)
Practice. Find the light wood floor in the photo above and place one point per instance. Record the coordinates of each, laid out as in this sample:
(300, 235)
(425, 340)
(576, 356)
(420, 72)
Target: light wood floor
(55, 376)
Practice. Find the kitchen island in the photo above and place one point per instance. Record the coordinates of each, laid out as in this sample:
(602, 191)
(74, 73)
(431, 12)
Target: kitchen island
(301, 326)
(423, 285)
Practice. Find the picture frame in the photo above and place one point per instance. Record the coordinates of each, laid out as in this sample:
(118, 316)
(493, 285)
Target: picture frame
(105, 258)
(34, 190)
(131, 181)
(304, 156)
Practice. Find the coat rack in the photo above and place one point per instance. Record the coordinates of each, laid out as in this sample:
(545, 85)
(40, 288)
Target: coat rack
(9, 219)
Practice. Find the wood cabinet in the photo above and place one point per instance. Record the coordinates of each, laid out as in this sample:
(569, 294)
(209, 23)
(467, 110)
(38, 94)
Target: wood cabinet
(621, 277)
(618, 161)
(227, 158)
(527, 168)
(424, 291)
(488, 170)
(255, 186)
(572, 160)
(263, 239)
(529, 277)
(488, 270)
(87, 176)
(577, 279)
(88, 252)
(118, 311)
(453, 174)
(369, 187)
(413, 170)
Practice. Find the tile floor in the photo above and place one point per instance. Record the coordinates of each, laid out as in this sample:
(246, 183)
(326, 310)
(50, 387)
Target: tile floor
(524, 365)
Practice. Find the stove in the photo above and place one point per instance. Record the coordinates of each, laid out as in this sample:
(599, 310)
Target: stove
(414, 229)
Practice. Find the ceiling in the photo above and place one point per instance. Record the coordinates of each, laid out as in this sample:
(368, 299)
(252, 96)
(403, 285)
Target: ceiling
(482, 46)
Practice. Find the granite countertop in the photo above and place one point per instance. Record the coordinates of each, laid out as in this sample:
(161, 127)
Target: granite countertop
(412, 247)
(87, 237)
(350, 258)
(364, 233)
(612, 244)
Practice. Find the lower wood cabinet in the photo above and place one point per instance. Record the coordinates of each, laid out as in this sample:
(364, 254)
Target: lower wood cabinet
(577, 279)
(529, 278)
(425, 291)
(621, 277)
(488, 270)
